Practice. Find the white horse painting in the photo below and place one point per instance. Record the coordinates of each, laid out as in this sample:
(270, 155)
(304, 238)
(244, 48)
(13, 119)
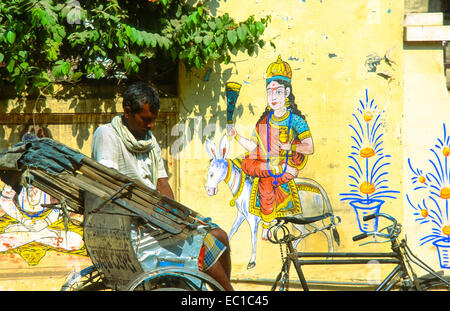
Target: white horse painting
(222, 169)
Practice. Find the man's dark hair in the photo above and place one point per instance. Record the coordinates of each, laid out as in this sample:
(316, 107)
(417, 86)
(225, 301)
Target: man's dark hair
(138, 94)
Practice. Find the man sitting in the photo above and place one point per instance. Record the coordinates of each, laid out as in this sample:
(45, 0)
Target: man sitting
(128, 145)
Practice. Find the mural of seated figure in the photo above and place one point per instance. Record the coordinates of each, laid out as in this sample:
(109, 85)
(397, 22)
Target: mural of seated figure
(29, 227)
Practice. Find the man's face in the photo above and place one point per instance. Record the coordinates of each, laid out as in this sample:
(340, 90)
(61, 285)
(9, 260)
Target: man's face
(140, 123)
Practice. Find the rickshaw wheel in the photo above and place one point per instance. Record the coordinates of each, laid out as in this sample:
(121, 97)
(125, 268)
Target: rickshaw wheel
(173, 279)
(88, 279)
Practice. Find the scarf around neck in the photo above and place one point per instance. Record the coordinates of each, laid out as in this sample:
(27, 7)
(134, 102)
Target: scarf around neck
(138, 146)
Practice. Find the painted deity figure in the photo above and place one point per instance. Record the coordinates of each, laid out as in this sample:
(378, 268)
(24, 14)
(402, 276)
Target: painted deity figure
(33, 222)
(27, 219)
(279, 145)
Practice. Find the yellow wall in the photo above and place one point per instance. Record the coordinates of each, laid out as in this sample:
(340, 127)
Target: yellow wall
(427, 107)
(328, 45)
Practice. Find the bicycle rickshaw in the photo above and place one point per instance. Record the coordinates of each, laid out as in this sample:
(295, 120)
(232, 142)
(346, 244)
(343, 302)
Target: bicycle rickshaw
(136, 238)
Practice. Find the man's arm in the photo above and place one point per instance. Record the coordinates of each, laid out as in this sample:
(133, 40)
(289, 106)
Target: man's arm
(163, 186)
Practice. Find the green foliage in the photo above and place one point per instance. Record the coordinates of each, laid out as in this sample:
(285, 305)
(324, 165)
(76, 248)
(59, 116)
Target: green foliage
(46, 41)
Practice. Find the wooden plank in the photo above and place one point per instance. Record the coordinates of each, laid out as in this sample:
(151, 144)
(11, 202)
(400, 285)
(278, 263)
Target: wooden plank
(107, 184)
(63, 186)
(147, 210)
(129, 200)
(141, 190)
(57, 193)
(65, 118)
(140, 200)
(56, 118)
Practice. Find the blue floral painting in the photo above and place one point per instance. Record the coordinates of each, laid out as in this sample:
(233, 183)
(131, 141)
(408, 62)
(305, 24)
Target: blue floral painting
(432, 188)
(368, 183)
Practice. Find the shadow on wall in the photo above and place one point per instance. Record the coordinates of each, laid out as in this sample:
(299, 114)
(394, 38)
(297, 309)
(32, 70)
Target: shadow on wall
(202, 110)
(82, 100)
(81, 106)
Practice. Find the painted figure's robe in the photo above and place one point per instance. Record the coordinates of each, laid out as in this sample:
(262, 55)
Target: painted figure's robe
(262, 161)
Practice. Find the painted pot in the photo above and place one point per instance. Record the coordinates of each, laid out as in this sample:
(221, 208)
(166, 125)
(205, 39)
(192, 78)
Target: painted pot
(443, 248)
(367, 207)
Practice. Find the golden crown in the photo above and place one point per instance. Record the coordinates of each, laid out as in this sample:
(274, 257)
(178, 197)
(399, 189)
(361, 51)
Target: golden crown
(279, 70)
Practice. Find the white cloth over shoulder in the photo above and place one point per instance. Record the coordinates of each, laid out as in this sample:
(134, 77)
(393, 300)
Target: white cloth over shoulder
(109, 150)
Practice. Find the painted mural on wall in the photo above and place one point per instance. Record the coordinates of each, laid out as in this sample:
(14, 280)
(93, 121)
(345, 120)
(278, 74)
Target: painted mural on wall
(30, 229)
(29, 226)
(278, 149)
(368, 186)
(429, 199)
(264, 181)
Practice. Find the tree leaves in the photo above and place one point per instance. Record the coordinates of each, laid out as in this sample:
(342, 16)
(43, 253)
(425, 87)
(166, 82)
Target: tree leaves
(219, 39)
(232, 36)
(242, 33)
(10, 37)
(149, 39)
(43, 41)
(131, 62)
(207, 39)
(215, 37)
(61, 68)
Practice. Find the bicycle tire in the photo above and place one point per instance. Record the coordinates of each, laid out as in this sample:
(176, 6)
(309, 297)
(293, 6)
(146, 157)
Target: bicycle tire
(88, 279)
(166, 278)
(433, 283)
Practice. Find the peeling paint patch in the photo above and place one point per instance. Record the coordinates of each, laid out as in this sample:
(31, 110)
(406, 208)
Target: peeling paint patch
(384, 74)
(285, 18)
(247, 80)
(382, 66)
(296, 59)
(372, 61)
(332, 55)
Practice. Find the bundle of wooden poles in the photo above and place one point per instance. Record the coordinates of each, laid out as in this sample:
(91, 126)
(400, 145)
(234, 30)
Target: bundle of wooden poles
(72, 184)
